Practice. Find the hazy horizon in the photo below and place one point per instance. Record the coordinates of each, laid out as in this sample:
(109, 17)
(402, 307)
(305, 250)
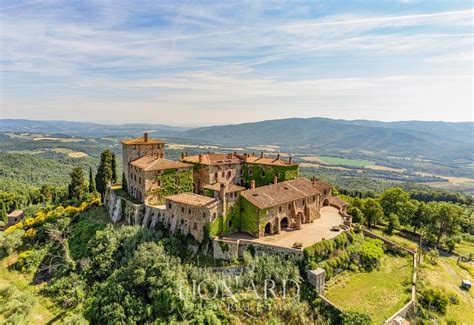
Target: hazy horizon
(201, 64)
(219, 124)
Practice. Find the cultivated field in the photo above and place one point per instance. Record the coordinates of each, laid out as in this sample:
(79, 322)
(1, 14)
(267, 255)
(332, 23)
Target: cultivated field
(379, 293)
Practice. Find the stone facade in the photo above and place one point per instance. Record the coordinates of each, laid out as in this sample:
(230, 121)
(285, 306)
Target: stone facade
(135, 148)
(284, 205)
(238, 169)
(220, 193)
(191, 213)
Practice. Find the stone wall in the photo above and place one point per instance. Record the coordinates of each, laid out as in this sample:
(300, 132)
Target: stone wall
(227, 249)
(122, 210)
(191, 219)
(130, 152)
(207, 174)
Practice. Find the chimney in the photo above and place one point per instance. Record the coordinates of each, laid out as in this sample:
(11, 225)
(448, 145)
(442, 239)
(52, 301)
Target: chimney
(200, 158)
(313, 180)
(182, 155)
(275, 179)
(222, 197)
(186, 153)
(145, 137)
(261, 154)
(235, 153)
(252, 184)
(278, 156)
(290, 160)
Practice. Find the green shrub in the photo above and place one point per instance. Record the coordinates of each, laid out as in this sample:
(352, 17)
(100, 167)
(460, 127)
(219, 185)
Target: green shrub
(432, 299)
(10, 241)
(15, 306)
(29, 260)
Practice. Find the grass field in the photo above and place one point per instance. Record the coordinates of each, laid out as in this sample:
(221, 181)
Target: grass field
(43, 311)
(407, 243)
(446, 275)
(339, 161)
(379, 293)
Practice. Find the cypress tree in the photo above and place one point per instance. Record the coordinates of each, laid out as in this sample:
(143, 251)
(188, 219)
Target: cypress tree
(124, 183)
(104, 172)
(92, 188)
(77, 186)
(3, 216)
(114, 169)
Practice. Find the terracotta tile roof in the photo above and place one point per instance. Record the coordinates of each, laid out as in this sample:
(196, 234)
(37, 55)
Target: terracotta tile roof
(15, 213)
(321, 186)
(229, 158)
(276, 194)
(149, 163)
(230, 187)
(191, 199)
(214, 159)
(141, 140)
(338, 201)
(273, 161)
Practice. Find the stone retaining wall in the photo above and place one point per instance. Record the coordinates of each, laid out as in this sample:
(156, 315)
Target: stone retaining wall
(229, 249)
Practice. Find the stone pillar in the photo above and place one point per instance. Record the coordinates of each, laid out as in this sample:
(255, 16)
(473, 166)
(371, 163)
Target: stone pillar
(252, 184)
(275, 179)
(318, 279)
(222, 197)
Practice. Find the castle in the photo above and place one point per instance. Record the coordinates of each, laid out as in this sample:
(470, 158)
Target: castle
(216, 194)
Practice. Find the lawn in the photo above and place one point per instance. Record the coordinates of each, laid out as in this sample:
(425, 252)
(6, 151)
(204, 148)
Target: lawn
(346, 161)
(379, 293)
(44, 310)
(446, 275)
(402, 241)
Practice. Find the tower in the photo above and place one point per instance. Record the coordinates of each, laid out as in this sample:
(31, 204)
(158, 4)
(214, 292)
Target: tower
(135, 148)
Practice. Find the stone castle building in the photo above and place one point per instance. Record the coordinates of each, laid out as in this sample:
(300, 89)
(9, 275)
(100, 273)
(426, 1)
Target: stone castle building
(218, 193)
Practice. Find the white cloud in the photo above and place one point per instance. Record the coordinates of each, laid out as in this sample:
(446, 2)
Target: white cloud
(203, 59)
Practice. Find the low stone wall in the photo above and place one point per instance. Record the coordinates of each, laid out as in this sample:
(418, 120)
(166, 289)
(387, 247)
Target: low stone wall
(387, 242)
(410, 308)
(229, 249)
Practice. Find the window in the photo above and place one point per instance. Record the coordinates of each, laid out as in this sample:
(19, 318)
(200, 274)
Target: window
(189, 211)
(223, 174)
(229, 223)
(182, 209)
(204, 214)
(229, 174)
(289, 206)
(280, 209)
(214, 215)
(195, 226)
(250, 172)
(263, 173)
(216, 176)
(169, 206)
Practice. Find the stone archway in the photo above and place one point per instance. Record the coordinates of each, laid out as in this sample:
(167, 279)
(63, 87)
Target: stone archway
(268, 229)
(299, 219)
(325, 202)
(284, 223)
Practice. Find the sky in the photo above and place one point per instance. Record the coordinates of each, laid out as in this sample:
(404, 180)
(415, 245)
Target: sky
(194, 63)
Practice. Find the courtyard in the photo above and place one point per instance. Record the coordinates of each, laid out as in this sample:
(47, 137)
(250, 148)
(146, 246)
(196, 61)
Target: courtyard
(309, 233)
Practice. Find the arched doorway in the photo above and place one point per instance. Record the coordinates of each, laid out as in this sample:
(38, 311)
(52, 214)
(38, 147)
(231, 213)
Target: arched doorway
(325, 203)
(300, 217)
(268, 229)
(284, 223)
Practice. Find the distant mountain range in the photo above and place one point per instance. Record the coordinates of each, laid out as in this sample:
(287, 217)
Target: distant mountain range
(413, 138)
(437, 140)
(85, 129)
